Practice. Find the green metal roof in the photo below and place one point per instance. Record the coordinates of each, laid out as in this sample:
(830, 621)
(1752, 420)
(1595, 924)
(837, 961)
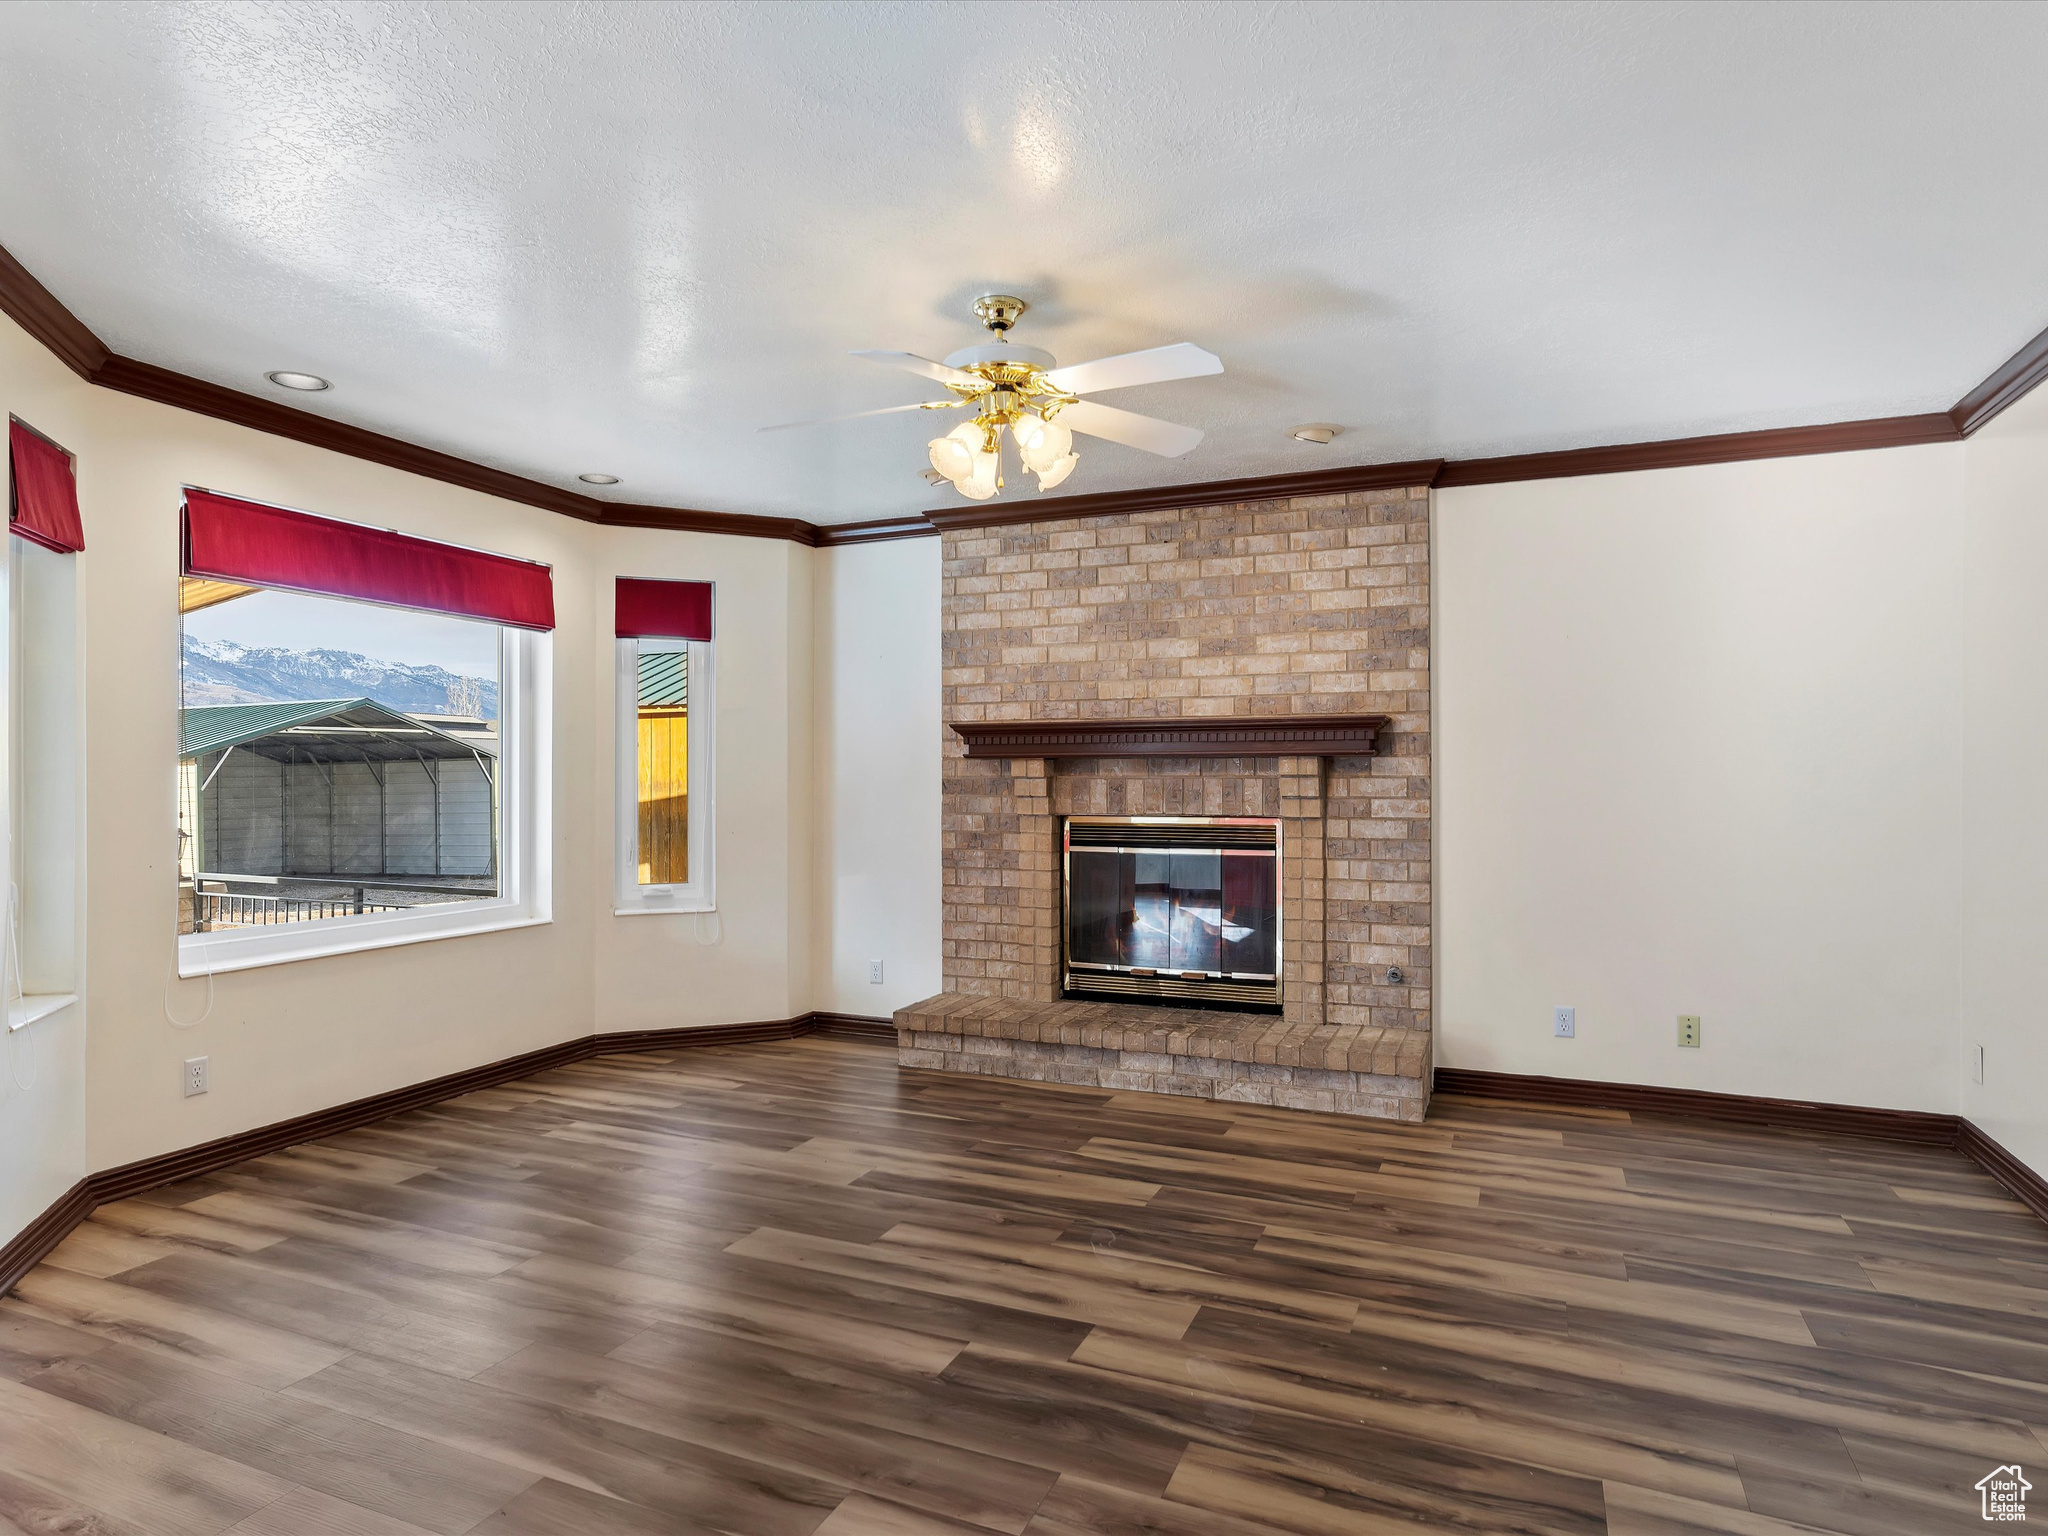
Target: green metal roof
(320, 730)
(664, 680)
(209, 727)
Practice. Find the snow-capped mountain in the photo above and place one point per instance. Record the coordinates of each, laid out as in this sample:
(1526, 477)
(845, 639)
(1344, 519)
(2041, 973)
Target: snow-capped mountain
(222, 672)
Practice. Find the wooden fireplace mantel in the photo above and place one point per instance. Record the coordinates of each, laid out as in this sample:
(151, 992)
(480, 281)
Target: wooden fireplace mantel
(1177, 736)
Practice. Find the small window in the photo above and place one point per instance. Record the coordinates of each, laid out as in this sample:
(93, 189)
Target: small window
(42, 779)
(664, 746)
(348, 773)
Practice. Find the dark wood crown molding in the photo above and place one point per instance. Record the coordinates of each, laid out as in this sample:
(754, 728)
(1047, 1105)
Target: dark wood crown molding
(1722, 448)
(146, 381)
(43, 316)
(1189, 736)
(38, 311)
(1165, 498)
(880, 530)
(2009, 382)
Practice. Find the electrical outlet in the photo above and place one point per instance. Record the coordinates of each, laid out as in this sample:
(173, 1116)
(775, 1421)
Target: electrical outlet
(874, 973)
(1979, 1064)
(1689, 1030)
(1564, 1023)
(195, 1076)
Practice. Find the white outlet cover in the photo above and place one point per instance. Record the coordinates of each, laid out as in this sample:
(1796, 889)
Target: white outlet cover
(195, 1076)
(1565, 1023)
(875, 973)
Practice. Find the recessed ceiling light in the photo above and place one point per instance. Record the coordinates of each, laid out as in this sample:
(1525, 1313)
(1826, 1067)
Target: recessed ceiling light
(1314, 432)
(599, 479)
(289, 380)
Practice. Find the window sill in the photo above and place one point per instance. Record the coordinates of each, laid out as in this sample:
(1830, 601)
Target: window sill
(37, 1005)
(665, 909)
(218, 952)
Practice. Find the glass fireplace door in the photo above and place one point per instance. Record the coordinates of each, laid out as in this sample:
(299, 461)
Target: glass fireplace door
(1180, 909)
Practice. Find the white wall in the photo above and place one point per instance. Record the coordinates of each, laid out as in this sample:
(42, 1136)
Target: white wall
(1697, 751)
(748, 962)
(878, 732)
(284, 1040)
(43, 1148)
(2002, 803)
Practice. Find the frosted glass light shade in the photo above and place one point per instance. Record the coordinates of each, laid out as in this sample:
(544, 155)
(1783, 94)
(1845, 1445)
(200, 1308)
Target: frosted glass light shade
(1057, 471)
(951, 457)
(1041, 444)
(981, 483)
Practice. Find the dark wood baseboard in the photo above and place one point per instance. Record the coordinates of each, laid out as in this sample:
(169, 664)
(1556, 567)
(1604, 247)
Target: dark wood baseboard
(1918, 1126)
(189, 1162)
(626, 1041)
(34, 1242)
(2020, 1181)
(1693, 1104)
(29, 1245)
(854, 1026)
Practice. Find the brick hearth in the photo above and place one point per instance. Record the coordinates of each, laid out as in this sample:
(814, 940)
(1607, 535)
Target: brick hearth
(1344, 1069)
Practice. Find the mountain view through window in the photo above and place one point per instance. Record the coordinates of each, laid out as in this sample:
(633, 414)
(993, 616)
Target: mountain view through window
(336, 758)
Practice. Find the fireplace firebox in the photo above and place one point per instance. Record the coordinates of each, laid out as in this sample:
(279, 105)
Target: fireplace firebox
(1173, 909)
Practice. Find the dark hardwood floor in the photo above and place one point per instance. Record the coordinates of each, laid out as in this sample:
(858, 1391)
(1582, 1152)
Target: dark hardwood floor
(785, 1289)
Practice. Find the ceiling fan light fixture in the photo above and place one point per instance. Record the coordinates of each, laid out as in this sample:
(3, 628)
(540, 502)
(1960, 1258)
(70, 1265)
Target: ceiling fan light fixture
(1022, 390)
(1057, 471)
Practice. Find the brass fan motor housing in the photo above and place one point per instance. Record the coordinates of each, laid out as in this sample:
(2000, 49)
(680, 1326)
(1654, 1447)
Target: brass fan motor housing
(999, 311)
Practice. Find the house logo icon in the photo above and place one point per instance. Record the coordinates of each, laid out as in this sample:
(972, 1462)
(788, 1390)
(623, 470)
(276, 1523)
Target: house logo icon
(2005, 1493)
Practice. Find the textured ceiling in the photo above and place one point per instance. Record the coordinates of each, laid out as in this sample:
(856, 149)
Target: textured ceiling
(558, 238)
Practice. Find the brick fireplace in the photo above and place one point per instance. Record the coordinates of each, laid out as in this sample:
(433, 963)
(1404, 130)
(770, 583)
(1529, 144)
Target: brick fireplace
(1283, 648)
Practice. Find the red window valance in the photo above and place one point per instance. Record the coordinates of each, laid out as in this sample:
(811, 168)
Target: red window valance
(669, 610)
(42, 501)
(231, 540)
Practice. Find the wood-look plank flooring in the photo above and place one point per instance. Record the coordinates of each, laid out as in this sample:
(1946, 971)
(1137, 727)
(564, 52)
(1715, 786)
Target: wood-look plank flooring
(788, 1290)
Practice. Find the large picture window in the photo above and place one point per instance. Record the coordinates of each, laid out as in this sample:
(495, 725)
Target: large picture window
(352, 771)
(664, 747)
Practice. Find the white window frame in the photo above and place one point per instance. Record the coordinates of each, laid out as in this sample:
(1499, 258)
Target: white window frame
(40, 782)
(525, 869)
(699, 894)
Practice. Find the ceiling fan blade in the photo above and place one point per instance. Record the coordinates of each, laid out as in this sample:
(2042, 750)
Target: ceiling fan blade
(923, 365)
(1129, 428)
(1182, 360)
(887, 410)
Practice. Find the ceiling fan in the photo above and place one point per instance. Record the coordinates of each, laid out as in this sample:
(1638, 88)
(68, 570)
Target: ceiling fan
(1024, 390)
